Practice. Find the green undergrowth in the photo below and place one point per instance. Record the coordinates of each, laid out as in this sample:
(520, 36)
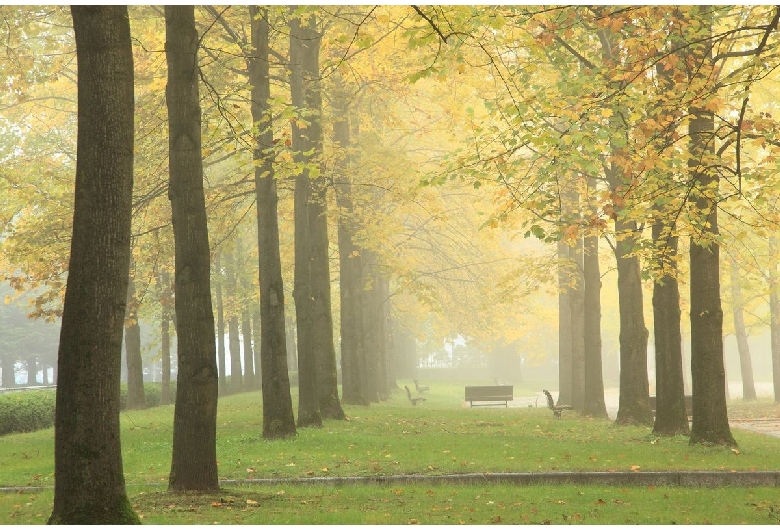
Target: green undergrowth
(436, 437)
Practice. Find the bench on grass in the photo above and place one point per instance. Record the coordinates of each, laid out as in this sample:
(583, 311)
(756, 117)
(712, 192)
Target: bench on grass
(420, 389)
(553, 407)
(489, 395)
(688, 405)
(413, 399)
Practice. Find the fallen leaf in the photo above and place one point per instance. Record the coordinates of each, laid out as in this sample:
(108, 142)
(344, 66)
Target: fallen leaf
(251, 502)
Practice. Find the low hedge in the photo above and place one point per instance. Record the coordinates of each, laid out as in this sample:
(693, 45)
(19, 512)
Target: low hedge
(31, 410)
(26, 410)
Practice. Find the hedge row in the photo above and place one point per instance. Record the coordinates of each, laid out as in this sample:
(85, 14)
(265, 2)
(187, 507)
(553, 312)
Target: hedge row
(31, 410)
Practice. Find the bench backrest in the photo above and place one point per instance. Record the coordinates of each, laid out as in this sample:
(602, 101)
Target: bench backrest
(489, 393)
(408, 392)
(550, 402)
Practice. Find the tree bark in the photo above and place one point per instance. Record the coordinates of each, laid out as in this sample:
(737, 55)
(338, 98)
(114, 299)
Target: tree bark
(278, 420)
(166, 301)
(320, 300)
(89, 485)
(135, 366)
(234, 341)
(594, 404)
(745, 364)
(671, 418)
(221, 352)
(564, 326)
(308, 396)
(708, 378)
(774, 318)
(194, 462)
(353, 361)
(577, 300)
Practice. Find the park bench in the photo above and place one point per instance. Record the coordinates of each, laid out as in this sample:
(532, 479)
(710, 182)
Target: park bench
(490, 395)
(413, 399)
(420, 389)
(688, 405)
(557, 409)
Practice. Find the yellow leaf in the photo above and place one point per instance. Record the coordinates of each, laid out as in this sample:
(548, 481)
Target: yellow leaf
(606, 113)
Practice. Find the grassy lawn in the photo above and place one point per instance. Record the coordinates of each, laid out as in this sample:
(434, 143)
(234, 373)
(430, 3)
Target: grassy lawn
(436, 437)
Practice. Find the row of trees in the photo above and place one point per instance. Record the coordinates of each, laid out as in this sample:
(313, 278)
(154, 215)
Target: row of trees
(632, 126)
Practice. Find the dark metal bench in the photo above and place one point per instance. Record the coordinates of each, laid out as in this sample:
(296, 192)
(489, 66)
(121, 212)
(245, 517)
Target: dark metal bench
(412, 399)
(489, 395)
(688, 405)
(553, 407)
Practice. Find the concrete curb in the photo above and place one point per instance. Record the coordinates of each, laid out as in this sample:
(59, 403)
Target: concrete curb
(618, 478)
(696, 479)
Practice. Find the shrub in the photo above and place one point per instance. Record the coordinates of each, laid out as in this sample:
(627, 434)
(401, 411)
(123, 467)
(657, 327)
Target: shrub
(27, 411)
(31, 410)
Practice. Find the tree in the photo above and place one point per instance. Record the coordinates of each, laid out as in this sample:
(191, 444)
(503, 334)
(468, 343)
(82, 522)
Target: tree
(278, 420)
(90, 486)
(135, 369)
(194, 463)
(708, 378)
(745, 364)
(309, 414)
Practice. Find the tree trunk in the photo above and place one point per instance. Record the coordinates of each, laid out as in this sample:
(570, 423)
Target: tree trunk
(671, 418)
(135, 366)
(221, 353)
(353, 362)
(634, 407)
(234, 341)
(594, 404)
(370, 332)
(745, 365)
(166, 299)
(774, 322)
(194, 462)
(564, 325)
(320, 300)
(9, 373)
(710, 417)
(89, 486)
(246, 325)
(308, 396)
(278, 420)
(32, 371)
(577, 300)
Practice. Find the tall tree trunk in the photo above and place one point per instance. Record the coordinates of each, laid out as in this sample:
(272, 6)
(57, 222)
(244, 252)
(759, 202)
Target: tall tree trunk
(221, 353)
(745, 365)
(565, 336)
(774, 319)
(166, 300)
(9, 374)
(371, 336)
(246, 325)
(710, 417)
(308, 396)
(135, 366)
(634, 407)
(577, 300)
(234, 341)
(32, 370)
(594, 404)
(89, 485)
(321, 309)
(671, 418)
(194, 462)
(353, 362)
(278, 420)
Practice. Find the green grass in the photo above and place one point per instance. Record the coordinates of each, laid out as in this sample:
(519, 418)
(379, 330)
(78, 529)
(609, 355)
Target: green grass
(439, 436)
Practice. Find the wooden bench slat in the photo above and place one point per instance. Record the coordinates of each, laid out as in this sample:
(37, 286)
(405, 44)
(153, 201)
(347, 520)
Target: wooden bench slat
(503, 393)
